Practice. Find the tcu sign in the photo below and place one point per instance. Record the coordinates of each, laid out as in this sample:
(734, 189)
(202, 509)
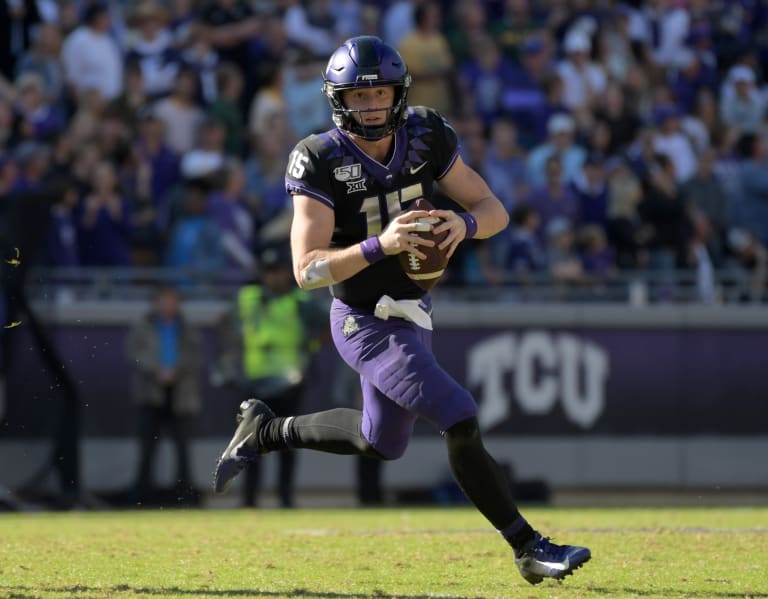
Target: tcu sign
(548, 367)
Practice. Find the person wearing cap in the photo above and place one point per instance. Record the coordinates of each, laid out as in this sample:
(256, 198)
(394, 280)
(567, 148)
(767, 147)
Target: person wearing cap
(561, 132)
(266, 341)
(742, 106)
(671, 141)
(584, 80)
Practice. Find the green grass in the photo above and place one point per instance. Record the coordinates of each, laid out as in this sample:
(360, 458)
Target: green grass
(340, 554)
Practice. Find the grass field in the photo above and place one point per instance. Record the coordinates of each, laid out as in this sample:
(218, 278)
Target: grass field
(340, 554)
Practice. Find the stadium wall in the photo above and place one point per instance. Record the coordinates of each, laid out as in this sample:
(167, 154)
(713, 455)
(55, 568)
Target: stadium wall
(581, 396)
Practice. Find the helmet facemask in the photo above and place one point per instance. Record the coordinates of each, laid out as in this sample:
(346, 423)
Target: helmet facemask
(344, 118)
(366, 62)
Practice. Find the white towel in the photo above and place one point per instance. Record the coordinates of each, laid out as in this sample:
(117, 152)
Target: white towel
(409, 309)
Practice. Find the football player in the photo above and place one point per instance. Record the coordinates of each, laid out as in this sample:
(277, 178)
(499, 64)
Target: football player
(351, 189)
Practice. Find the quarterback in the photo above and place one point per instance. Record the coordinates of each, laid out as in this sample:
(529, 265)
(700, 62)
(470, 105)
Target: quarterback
(352, 187)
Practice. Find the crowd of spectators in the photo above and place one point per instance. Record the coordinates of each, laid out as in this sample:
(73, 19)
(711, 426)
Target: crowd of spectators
(620, 136)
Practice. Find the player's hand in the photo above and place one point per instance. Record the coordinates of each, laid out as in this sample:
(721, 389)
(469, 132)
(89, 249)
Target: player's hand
(456, 227)
(400, 234)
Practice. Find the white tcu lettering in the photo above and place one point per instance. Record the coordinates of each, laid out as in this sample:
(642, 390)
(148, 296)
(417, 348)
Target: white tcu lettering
(547, 367)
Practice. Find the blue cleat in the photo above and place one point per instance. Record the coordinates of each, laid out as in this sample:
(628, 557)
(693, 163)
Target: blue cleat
(244, 446)
(541, 559)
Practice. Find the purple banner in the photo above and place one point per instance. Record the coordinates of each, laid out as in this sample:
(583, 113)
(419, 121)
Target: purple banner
(526, 382)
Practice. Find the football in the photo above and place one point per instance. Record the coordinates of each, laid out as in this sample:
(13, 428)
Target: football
(426, 273)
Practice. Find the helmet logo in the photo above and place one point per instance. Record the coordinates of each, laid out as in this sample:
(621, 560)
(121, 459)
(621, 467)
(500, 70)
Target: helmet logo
(372, 77)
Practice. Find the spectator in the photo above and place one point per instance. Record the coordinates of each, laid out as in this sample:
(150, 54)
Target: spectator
(504, 164)
(226, 108)
(704, 193)
(670, 24)
(754, 185)
(554, 199)
(673, 143)
(691, 78)
(621, 120)
(534, 92)
(267, 103)
(180, 113)
(39, 118)
(624, 226)
(517, 23)
(561, 130)
(589, 188)
(265, 172)
(469, 23)
(104, 228)
(398, 21)
(207, 158)
(62, 247)
(301, 79)
(617, 47)
(92, 58)
(43, 59)
(150, 44)
(526, 254)
(198, 56)
(159, 165)
(134, 101)
(664, 213)
(563, 261)
(597, 259)
(584, 81)
(166, 353)
(236, 227)
(16, 22)
(483, 79)
(429, 59)
(33, 160)
(742, 105)
(194, 242)
(751, 256)
(84, 124)
(228, 26)
(313, 27)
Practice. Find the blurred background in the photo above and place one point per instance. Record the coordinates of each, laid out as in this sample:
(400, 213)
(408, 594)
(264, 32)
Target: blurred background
(613, 335)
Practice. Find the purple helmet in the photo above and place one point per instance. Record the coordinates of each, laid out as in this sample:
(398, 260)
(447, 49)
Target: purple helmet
(366, 61)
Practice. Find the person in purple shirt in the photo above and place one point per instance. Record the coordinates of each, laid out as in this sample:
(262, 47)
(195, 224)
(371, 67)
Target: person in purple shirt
(525, 98)
(485, 77)
(104, 222)
(589, 187)
(162, 163)
(235, 221)
(554, 199)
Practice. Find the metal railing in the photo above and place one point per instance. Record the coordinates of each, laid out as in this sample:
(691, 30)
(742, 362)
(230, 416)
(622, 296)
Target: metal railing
(636, 288)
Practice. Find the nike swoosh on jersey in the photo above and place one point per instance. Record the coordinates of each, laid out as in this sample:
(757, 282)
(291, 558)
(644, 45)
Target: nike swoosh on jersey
(416, 169)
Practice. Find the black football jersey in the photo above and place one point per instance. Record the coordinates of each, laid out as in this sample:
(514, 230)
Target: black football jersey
(365, 194)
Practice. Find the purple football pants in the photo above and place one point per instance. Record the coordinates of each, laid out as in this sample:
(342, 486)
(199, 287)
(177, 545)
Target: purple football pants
(400, 377)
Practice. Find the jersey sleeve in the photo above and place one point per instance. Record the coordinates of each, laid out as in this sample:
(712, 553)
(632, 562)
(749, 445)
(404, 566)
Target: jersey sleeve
(305, 174)
(445, 145)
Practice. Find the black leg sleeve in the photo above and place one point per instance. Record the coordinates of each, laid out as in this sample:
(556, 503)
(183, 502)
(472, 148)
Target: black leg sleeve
(484, 483)
(331, 431)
